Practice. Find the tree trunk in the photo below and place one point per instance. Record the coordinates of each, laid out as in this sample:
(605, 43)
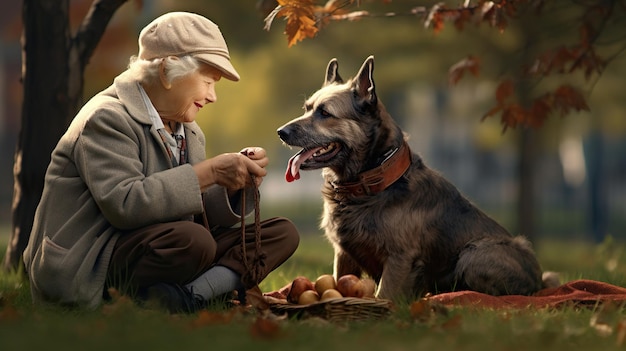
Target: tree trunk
(526, 181)
(45, 111)
(53, 65)
(527, 148)
(598, 202)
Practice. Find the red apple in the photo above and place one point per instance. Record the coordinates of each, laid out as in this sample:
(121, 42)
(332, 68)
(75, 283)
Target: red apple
(350, 285)
(369, 287)
(298, 286)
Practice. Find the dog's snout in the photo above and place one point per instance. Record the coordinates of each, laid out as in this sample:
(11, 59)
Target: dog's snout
(283, 133)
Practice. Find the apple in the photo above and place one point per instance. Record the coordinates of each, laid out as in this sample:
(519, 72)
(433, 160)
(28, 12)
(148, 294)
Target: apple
(369, 287)
(298, 286)
(308, 297)
(325, 282)
(350, 285)
(330, 294)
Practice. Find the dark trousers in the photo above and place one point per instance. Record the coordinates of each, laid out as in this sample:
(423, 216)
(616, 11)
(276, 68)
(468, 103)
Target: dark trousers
(178, 252)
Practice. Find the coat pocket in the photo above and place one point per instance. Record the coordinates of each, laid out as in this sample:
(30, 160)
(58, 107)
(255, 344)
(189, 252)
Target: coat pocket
(52, 274)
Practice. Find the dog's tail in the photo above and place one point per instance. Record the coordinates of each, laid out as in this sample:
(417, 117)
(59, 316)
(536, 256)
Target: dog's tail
(551, 279)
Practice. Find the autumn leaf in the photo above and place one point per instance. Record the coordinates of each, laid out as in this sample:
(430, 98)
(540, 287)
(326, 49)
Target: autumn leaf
(424, 310)
(469, 64)
(434, 18)
(567, 98)
(256, 299)
(9, 314)
(300, 16)
(539, 111)
(265, 328)
(206, 318)
(420, 310)
(298, 28)
(504, 90)
(512, 115)
(492, 112)
(120, 304)
(462, 16)
(453, 323)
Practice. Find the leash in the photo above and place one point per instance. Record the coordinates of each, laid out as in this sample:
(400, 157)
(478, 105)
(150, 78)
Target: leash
(254, 268)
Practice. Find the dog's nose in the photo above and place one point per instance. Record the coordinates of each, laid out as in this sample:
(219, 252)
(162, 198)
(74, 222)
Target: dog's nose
(283, 133)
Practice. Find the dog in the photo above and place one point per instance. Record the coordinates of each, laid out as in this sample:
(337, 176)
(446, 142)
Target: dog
(390, 216)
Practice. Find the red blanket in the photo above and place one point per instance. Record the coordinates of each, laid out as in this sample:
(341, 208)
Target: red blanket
(574, 293)
(577, 292)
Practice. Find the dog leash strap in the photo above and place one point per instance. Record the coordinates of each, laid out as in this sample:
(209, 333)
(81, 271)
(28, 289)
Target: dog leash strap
(253, 270)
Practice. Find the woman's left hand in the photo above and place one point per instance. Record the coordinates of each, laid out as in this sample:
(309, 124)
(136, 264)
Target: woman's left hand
(259, 156)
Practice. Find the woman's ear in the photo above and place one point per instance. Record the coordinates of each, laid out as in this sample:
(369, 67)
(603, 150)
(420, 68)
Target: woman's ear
(163, 76)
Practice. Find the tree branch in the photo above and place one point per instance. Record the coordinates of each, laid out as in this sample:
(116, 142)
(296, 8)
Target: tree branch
(93, 26)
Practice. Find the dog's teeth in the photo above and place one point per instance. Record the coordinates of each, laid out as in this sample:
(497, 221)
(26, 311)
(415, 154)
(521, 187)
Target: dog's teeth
(324, 150)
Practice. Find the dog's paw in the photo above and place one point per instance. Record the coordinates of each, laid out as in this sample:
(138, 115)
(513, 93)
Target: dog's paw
(551, 279)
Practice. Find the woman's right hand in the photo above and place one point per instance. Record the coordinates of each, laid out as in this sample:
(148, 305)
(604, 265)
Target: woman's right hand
(230, 170)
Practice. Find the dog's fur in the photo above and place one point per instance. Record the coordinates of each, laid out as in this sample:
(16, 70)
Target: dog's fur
(420, 235)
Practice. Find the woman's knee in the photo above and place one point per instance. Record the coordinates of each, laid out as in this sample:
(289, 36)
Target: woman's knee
(195, 242)
(285, 231)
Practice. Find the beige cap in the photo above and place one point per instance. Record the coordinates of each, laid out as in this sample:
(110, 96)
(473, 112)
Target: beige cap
(184, 33)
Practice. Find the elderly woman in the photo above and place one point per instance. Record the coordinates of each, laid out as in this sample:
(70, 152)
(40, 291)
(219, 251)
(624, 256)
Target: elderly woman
(130, 200)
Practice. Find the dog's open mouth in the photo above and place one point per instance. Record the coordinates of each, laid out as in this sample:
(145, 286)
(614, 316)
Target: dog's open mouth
(310, 159)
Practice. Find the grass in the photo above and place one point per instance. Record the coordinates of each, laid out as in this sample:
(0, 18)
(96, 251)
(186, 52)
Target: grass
(122, 325)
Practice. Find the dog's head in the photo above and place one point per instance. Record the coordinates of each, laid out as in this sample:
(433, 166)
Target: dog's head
(341, 125)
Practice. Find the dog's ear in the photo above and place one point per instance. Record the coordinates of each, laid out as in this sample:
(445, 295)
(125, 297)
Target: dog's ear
(364, 81)
(332, 73)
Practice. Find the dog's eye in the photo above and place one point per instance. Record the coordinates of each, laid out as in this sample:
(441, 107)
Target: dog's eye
(324, 113)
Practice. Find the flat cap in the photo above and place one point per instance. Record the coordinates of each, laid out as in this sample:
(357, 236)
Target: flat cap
(185, 33)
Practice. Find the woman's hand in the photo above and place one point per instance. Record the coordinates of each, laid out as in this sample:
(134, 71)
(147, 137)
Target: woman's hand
(233, 170)
(259, 156)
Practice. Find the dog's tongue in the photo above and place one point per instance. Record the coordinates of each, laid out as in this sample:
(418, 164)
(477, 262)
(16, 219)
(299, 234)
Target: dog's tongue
(293, 168)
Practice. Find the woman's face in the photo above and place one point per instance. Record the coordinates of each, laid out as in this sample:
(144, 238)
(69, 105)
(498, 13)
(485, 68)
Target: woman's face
(188, 94)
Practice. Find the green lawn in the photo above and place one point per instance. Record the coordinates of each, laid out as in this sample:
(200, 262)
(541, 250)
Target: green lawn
(124, 326)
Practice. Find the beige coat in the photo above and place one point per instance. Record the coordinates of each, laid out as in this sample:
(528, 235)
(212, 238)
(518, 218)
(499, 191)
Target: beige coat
(110, 172)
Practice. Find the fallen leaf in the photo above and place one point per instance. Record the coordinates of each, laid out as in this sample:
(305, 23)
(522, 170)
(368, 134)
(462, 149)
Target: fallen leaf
(206, 317)
(424, 310)
(453, 323)
(265, 328)
(9, 314)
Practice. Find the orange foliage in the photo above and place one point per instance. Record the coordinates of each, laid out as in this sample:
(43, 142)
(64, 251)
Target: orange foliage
(305, 18)
(469, 64)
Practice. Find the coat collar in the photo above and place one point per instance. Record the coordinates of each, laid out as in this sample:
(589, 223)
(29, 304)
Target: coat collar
(128, 92)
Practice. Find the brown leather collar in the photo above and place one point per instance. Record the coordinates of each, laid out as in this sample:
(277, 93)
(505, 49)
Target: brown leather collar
(378, 179)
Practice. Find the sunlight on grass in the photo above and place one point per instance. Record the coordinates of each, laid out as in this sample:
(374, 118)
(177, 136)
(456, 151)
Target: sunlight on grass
(122, 324)
(313, 258)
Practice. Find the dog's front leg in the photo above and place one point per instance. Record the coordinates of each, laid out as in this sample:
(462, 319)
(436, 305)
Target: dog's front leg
(400, 277)
(344, 264)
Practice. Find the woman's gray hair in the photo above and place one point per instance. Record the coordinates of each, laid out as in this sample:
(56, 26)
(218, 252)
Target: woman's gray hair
(175, 67)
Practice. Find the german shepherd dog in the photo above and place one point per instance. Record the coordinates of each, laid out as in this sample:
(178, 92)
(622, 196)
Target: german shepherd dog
(390, 216)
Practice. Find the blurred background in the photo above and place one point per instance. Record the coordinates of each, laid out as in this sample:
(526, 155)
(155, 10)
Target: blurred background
(579, 160)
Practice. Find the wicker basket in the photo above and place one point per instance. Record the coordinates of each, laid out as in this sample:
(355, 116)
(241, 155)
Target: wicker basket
(338, 310)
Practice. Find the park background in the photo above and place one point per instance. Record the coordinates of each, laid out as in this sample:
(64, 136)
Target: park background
(579, 163)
